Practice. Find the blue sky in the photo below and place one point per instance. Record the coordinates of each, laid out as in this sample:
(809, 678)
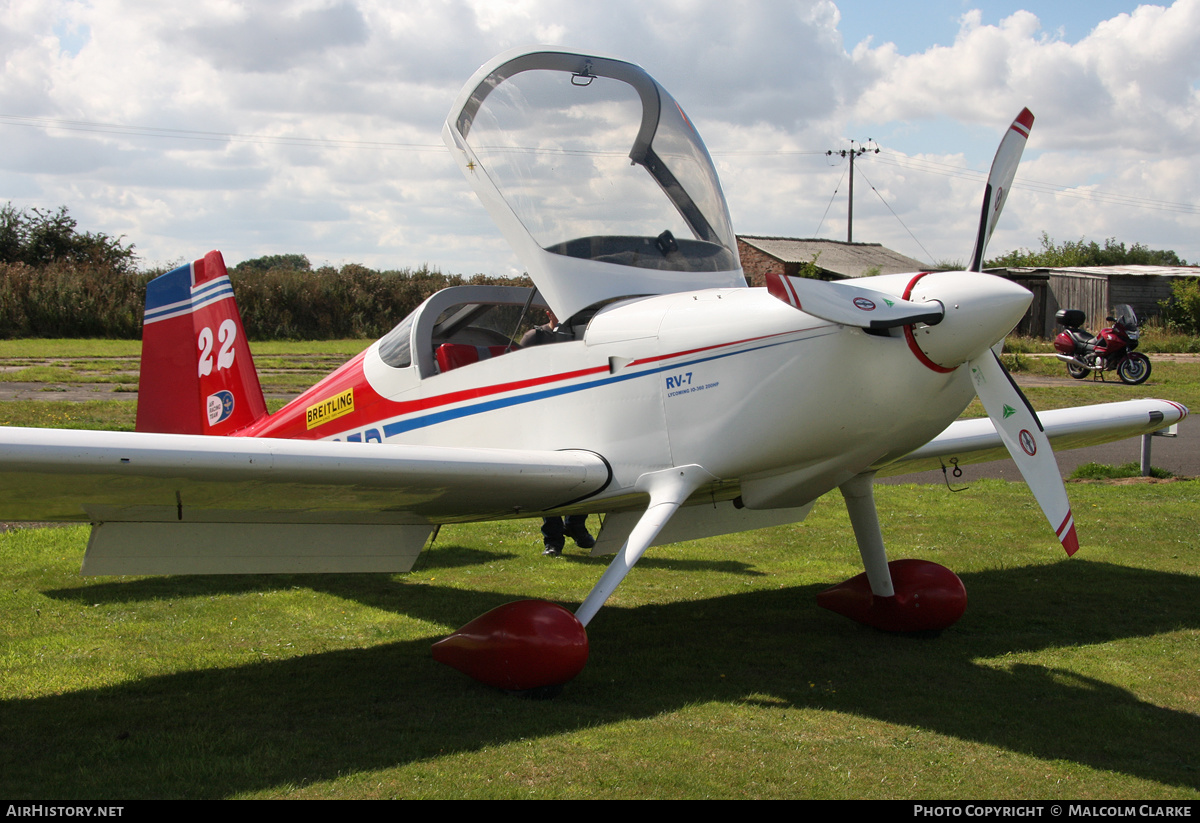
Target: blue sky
(914, 27)
(313, 126)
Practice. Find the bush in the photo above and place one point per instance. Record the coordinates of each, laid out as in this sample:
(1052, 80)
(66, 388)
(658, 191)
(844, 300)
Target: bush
(58, 282)
(1181, 312)
(294, 303)
(63, 299)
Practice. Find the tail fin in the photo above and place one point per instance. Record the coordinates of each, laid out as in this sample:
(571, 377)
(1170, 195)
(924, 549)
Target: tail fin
(197, 374)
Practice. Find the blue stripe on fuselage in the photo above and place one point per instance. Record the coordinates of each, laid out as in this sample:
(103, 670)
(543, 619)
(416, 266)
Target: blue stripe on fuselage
(401, 426)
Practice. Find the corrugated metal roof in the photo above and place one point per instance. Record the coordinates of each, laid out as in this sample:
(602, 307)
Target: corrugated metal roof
(834, 256)
(1113, 271)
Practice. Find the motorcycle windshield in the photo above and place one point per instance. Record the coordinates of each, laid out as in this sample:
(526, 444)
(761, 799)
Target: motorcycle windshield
(596, 176)
(1126, 317)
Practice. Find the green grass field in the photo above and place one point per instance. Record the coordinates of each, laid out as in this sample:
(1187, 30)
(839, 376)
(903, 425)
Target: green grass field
(712, 673)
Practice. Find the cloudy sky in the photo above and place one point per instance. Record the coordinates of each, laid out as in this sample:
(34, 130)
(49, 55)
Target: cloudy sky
(314, 127)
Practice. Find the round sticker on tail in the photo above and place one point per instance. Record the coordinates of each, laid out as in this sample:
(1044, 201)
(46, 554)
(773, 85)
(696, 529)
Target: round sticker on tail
(220, 406)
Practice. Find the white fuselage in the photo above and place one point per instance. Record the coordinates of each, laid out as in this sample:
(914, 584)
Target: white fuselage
(732, 380)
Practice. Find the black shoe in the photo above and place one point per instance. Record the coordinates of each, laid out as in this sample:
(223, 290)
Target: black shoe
(552, 550)
(580, 535)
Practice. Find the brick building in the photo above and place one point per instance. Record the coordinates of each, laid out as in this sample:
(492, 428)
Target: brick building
(835, 259)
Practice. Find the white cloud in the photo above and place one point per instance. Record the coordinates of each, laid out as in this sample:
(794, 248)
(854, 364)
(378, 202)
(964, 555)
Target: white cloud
(1117, 111)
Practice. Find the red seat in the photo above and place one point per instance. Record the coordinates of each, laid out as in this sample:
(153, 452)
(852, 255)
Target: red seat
(454, 355)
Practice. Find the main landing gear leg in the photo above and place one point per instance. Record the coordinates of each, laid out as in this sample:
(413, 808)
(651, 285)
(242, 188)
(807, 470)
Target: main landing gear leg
(534, 647)
(900, 596)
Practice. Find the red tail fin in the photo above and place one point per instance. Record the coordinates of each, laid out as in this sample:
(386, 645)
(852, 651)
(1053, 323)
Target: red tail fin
(197, 373)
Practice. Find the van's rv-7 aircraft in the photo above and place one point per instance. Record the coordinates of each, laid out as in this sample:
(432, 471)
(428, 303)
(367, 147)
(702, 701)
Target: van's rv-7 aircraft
(676, 401)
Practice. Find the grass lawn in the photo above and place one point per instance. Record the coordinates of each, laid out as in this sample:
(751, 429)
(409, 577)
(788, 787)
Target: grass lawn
(712, 673)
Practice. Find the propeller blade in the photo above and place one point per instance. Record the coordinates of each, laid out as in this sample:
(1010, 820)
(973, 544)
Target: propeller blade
(1004, 169)
(1025, 440)
(852, 305)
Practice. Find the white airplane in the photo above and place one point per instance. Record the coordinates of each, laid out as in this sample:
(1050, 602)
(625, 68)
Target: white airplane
(672, 399)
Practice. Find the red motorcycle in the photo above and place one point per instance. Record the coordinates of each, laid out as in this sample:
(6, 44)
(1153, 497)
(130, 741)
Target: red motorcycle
(1112, 349)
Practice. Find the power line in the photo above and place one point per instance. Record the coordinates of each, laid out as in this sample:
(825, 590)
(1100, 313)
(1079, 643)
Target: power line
(885, 156)
(817, 233)
(1042, 187)
(209, 136)
(928, 256)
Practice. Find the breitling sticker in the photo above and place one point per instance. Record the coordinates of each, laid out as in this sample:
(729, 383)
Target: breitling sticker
(331, 409)
(220, 406)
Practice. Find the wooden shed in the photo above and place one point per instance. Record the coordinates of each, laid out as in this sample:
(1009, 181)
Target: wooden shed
(1094, 290)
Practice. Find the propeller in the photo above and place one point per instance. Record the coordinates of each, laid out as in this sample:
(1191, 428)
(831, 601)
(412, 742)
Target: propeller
(1000, 178)
(971, 311)
(1005, 403)
(850, 304)
(1026, 441)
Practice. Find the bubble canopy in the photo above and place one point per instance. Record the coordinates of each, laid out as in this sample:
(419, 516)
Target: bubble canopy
(595, 176)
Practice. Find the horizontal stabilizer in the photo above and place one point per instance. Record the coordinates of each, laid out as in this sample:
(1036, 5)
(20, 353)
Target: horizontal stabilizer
(252, 548)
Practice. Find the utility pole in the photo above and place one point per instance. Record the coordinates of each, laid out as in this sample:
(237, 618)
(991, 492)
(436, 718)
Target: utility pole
(852, 153)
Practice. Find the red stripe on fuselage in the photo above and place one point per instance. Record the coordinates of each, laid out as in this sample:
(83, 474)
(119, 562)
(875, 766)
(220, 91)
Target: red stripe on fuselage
(374, 408)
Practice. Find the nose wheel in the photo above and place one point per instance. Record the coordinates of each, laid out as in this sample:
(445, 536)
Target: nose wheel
(900, 596)
(926, 597)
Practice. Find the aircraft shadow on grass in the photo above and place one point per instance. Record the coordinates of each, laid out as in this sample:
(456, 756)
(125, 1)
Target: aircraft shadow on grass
(320, 716)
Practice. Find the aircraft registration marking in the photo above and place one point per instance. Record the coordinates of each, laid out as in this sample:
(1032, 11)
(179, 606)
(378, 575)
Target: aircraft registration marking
(330, 409)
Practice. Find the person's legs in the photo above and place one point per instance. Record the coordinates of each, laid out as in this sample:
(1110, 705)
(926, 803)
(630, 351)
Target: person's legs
(552, 536)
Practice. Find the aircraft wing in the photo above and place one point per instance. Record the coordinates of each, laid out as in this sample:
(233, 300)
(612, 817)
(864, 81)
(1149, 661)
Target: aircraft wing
(175, 504)
(977, 441)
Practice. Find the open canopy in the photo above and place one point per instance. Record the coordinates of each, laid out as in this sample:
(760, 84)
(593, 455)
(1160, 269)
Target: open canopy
(596, 177)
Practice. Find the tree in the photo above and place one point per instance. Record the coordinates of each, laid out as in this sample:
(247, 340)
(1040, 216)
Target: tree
(38, 238)
(294, 262)
(1072, 253)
